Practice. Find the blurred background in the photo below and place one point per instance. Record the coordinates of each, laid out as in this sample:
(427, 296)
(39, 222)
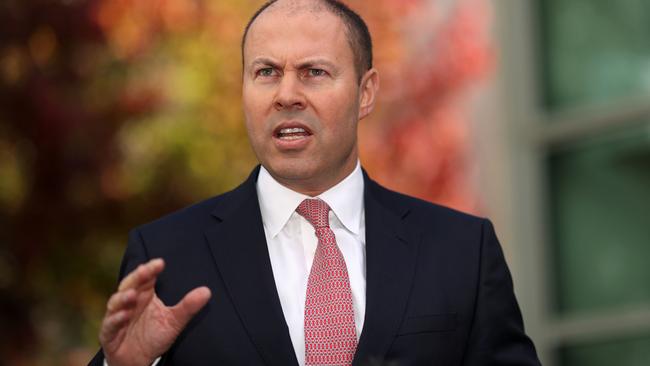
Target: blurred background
(535, 113)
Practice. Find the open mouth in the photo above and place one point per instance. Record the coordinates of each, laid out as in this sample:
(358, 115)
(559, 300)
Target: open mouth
(292, 133)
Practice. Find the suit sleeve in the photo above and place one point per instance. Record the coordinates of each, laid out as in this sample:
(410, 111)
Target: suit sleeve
(497, 335)
(135, 255)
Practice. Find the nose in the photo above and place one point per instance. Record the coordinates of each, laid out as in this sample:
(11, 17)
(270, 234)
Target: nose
(289, 93)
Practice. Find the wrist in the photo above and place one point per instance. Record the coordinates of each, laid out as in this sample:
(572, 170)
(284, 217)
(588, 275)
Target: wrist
(154, 363)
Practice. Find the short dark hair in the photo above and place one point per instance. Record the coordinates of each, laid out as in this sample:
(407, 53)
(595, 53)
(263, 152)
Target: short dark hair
(356, 30)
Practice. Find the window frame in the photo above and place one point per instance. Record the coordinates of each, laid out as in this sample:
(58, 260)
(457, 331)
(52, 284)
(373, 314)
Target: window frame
(517, 192)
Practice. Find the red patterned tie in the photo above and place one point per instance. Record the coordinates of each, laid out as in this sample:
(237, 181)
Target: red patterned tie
(330, 335)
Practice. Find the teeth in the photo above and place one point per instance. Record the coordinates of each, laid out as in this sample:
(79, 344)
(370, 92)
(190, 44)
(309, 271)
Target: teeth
(292, 130)
(291, 137)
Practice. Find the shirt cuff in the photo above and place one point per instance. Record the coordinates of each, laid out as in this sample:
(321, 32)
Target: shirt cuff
(153, 364)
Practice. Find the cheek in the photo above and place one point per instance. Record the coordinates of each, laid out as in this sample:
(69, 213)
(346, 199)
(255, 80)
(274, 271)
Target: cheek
(342, 113)
(253, 115)
(339, 105)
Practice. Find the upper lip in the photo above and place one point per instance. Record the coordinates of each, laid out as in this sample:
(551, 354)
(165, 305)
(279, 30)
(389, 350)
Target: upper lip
(290, 124)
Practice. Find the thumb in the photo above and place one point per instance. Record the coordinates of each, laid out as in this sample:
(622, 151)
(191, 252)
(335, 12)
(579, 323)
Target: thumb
(190, 305)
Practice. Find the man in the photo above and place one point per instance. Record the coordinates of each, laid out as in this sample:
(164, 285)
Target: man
(309, 261)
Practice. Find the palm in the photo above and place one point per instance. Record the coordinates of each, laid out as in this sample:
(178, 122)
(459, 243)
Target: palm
(138, 327)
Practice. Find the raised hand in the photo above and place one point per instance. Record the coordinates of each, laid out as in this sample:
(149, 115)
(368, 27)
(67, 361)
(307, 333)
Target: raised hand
(138, 327)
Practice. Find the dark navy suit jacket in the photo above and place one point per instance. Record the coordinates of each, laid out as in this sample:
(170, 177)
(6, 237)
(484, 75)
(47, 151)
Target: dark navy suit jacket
(438, 288)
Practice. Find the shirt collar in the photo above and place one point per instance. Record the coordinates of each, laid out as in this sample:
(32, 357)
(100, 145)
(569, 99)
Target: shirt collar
(278, 203)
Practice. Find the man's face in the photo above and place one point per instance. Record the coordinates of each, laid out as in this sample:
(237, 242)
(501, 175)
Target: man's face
(302, 99)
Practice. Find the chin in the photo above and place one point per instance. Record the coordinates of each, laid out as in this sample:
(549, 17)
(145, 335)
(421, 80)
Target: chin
(291, 170)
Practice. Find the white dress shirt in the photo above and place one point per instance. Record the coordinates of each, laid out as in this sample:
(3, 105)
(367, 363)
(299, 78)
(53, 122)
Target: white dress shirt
(292, 242)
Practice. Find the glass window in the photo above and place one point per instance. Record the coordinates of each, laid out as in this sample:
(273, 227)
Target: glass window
(600, 215)
(619, 352)
(594, 50)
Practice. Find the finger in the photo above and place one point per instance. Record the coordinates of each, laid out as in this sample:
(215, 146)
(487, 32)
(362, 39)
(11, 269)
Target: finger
(120, 301)
(190, 305)
(144, 274)
(113, 324)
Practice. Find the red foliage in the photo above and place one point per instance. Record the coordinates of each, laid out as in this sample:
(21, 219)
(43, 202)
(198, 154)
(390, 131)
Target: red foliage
(424, 143)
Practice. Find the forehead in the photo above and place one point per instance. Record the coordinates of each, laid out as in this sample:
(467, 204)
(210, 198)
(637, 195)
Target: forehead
(286, 33)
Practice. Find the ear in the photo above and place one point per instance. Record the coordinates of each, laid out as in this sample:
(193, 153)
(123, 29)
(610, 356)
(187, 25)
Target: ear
(367, 92)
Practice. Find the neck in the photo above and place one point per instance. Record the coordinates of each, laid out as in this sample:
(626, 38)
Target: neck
(314, 186)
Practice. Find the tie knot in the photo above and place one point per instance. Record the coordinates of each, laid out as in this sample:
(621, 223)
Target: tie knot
(316, 211)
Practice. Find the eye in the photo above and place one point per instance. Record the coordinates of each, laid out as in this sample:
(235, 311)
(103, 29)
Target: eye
(265, 72)
(316, 72)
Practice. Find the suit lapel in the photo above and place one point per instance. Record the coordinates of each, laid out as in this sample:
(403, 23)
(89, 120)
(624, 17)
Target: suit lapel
(240, 251)
(239, 248)
(390, 265)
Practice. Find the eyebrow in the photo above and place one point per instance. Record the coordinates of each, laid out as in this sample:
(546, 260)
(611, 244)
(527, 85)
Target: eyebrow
(303, 64)
(264, 61)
